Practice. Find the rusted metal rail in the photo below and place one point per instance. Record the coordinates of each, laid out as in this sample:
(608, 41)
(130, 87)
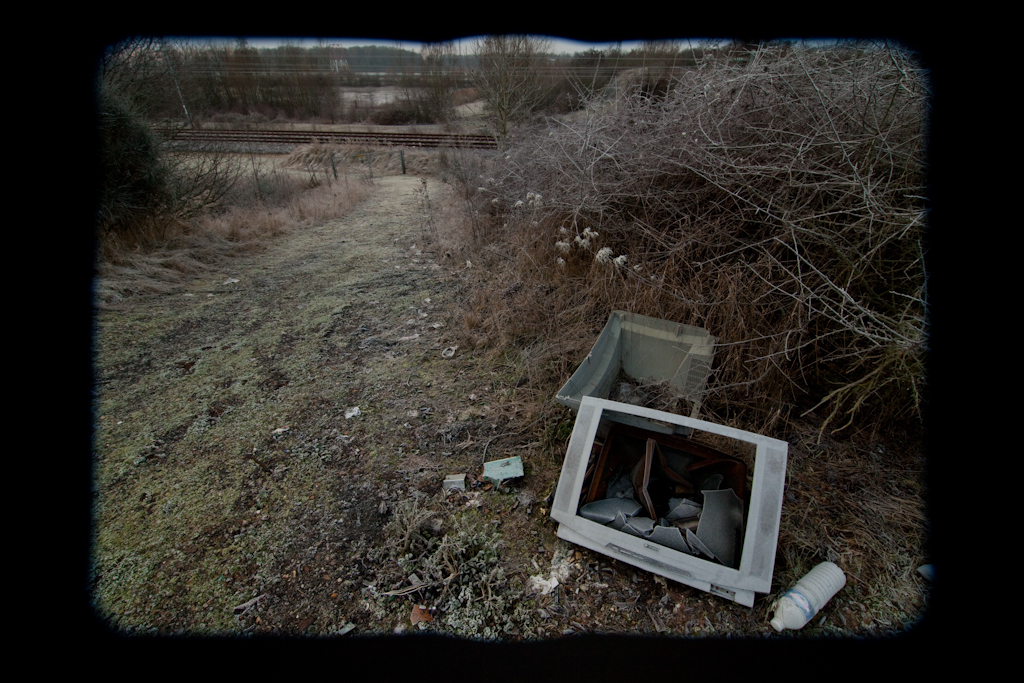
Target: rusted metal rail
(304, 137)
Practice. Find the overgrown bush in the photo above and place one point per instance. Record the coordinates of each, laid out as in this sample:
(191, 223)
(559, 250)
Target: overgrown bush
(146, 179)
(133, 174)
(776, 198)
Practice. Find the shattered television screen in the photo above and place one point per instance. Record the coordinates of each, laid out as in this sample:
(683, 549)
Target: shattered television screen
(674, 491)
(694, 501)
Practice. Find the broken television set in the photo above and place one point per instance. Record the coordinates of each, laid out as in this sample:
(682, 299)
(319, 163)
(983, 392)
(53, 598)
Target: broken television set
(691, 500)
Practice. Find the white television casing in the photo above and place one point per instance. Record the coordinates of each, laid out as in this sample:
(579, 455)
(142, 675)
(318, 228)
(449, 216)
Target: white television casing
(761, 534)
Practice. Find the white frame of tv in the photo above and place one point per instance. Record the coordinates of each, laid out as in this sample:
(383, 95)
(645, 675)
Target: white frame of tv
(761, 535)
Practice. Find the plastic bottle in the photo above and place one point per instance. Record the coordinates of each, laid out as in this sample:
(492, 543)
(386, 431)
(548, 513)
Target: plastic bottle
(799, 604)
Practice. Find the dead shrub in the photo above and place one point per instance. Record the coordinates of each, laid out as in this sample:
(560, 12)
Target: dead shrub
(159, 258)
(777, 200)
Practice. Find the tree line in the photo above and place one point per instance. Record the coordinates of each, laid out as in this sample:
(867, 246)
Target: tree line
(193, 83)
(146, 81)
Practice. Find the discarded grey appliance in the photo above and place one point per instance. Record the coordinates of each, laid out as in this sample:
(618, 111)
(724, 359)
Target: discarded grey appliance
(685, 510)
(649, 350)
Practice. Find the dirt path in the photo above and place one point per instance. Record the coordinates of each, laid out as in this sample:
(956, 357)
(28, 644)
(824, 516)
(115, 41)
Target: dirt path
(203, 505)
(239, 491)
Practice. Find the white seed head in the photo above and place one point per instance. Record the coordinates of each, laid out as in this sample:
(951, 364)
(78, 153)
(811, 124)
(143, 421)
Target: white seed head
(604, 255)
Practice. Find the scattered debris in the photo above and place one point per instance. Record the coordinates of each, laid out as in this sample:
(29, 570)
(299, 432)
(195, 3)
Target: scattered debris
(454, 481)
(230, 280)
(721, 526)
(351, 412)
(280, 430)
(927, 571)
(245, 606)
(605, 511)
(498, 471)
(420, 613)
(349, 626)
(449, 352)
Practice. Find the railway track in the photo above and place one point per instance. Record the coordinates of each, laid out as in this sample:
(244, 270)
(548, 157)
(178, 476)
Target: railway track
(304, 137)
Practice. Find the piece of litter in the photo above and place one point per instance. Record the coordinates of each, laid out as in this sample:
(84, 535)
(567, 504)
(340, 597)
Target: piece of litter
(188, 294)
(244, 607)
(420, 613)
(498, 471)
(682, 508)
(670, 537)
(538, 584)
(410, 338)
(280, 430)
(468, 264)
(925, 570)
(351, 412)
(230, 280)
(721, 525)
(605, 511)
(449, 352)
(346, 628)
(454, 481)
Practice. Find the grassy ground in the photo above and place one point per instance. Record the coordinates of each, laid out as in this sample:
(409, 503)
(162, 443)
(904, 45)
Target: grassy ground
(238, 491)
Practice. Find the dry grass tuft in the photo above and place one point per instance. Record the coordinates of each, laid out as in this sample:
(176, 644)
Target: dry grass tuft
(862, 508)
(364, 159)
(163, 254)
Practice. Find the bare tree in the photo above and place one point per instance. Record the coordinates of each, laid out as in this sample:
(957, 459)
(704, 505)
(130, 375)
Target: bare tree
(146, 178)
(439, 79)
(508, 77)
